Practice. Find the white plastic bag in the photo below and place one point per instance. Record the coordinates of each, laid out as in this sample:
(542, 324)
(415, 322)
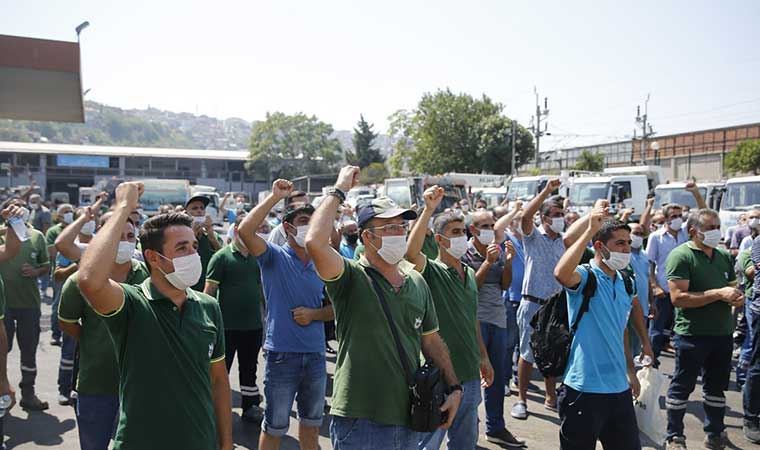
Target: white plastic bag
(650, 418)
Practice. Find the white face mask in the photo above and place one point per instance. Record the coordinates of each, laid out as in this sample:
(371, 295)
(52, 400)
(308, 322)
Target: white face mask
(675, 224)
(558, 224)
(636, 241)
(485, 237)
(126, 250)
(754, 222)
(457, 246)
(187, 271)
(68, 218)
(617, 260)
(199, 219)
(300, 236)
(393, 248)
(711, 238)
(88, 228)
(34, 206)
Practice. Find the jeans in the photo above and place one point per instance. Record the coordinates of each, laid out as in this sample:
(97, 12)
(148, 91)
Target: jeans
(586, 418)
(513, 341)
(96, 420)
(495, 340)
(711, 356)
(362, 434)
(751, 400)
(463, 433)
(246, 343)
(659, 328)
(294, 376)
(66, 366)
(742, 366)
(25, 324)
(54, 327)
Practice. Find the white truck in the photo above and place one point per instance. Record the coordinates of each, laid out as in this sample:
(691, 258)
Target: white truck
(676, 193)
(741, 194)
(653, 173)
(630, 190)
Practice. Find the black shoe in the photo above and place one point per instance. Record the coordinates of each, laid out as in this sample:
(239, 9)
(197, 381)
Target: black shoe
(254, 414)
(717, 442)
(504, 437)
(752, 430)
(56, 342)
(33, 403)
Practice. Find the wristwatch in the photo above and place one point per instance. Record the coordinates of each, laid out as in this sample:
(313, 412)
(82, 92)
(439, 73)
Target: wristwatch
(334, 191)
(456, 387)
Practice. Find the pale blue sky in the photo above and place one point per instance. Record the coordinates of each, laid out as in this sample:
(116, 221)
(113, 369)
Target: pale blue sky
(595, 60)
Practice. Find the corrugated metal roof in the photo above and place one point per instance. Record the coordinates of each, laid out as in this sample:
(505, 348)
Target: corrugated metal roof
(69, 149)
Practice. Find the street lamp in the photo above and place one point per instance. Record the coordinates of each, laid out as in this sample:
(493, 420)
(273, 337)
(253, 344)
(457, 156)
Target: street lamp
(656, 147)
(81, 27)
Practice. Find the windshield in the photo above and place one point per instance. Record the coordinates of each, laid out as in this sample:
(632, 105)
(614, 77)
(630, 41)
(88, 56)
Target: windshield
(155, 196)
(741, 196)
(678, 196)
(399, 193)
(522, 190)
(585, 194)
(492, 199)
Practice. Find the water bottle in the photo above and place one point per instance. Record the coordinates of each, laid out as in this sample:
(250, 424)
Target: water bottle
(5, 403)
(643, 360)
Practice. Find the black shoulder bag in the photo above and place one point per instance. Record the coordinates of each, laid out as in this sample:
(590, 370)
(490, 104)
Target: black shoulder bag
(427, 389)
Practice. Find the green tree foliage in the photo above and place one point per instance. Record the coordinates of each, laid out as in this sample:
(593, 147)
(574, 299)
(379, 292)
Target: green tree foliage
(285, 146)
(592, 162)
(455, 132)
(746, 158)
(364, 152)
(374, 173)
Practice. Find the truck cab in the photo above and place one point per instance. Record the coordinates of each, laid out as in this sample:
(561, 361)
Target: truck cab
(676, 193)
(408, 191)
(741, 195)
(629, 190)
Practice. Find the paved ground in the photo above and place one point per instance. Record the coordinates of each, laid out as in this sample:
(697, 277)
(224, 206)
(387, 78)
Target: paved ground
(56, 428)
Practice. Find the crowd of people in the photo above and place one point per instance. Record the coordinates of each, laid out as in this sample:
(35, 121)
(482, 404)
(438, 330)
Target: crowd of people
(150, 314)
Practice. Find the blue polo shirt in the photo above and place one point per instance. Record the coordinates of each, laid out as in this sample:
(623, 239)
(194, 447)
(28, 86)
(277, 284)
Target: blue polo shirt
(597, 362)
(289, 283)
(640, 266)
(514, 293)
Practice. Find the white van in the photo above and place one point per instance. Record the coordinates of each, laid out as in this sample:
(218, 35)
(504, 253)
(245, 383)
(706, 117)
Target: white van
(676, 193)
(630, 190)
(741, 195)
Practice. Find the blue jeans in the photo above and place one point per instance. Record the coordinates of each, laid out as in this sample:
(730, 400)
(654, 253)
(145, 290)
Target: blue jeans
(54, 328)
(96, 417)
(293, 376)
(66, 366)
(751, 401)
(495, 340)
(363, 434)
(463, 433)
(742, 366)
(513, 341)
(710, 356)
(659, 328)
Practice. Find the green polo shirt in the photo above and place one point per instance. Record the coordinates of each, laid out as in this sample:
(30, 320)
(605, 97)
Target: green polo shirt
(53, 233)
(430, 247)
(369, 378)
(98, 371)
(456, 304)
(687, 262)
(239, 293)
(2, 299)
(206, 252)
(164, 356)
(23, 291)
(744, 262)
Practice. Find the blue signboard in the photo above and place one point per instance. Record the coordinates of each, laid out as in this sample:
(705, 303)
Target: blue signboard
(83, 161)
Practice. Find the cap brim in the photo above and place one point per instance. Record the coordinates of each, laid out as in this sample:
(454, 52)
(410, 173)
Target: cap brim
(406, 214)
(202, 198)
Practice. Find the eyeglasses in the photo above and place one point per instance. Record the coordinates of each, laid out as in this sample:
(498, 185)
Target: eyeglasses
(393, 228)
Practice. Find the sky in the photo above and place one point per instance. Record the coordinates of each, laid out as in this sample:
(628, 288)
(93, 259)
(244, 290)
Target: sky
(595, 61)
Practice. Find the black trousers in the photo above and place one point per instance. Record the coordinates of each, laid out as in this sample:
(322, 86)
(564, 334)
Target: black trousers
(24, 324)
(586, 418)
(246, 343)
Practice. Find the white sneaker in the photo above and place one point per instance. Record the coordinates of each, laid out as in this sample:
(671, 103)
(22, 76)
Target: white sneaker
(63, 400)
(520, 411)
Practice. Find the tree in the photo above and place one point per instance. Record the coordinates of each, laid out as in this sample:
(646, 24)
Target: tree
(745, 158)
(364, 153)
(455, 132)
(374, 173)
(285, 146)
(592, 162)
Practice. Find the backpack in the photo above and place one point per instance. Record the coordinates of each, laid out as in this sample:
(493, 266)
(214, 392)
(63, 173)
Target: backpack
(551, 339)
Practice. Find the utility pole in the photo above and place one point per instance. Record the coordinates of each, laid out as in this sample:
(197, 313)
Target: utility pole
(645, 132)
(535, 126)
(513, 170)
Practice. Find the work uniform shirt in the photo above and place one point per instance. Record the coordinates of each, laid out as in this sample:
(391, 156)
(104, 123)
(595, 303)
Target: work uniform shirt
(50, 237)
(239, 294)
(542, 253)
(640, 266)
(23, 292)
(688, 262)
(98, 371)
(659, 246)
(430, 247)
(369, 378)
(491, 307)
(164, 356)
(597, 357)
(206, 252)
(456, 305)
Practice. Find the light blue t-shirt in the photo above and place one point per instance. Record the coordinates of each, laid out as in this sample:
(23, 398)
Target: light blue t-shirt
(542, 254)
(347, 251)
(514, 293)
(659, 246)
(597, 362)
(640, 266)
(289, 283)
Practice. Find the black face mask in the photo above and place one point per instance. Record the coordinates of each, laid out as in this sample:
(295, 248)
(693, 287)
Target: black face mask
(351, 238)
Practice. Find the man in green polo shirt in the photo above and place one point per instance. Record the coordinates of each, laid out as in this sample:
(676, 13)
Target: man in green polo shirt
(98, 376)
(64, 218)
(169, 339)
(234, 278)
(702, 284)
(203, 227)
(371, 403)
(455, 295)
(22, 315)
